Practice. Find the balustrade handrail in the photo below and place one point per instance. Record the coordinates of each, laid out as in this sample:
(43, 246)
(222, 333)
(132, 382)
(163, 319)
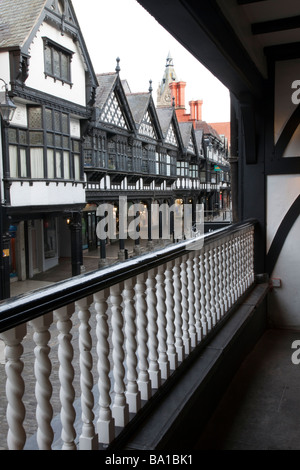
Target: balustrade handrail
(26, 307)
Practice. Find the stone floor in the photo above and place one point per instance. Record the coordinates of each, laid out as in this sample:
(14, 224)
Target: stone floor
(261, 408)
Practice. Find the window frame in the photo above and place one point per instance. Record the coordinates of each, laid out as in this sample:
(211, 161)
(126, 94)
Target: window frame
(62, 51)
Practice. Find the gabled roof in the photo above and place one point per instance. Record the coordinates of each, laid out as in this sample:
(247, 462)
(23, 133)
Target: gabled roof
(18, 20)
(167, 117)
(207, 129)
(139, 104)
(186, 129)
(106, 83)
(110, 87)
(199, 137)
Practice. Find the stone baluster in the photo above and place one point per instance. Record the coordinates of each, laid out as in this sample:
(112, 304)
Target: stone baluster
(244, 261)
(235, 261)
(185, 313)
(15, 387)
(207, 287)
(66, 376)
(228, 272)
(142, 338)
(88, 439)
(197, 295)
(105, 423)
(217, 284)
(171, 350)
(43, 387)
(162, 323)
(120, 409)
(240, 265)
(203, 293)
(191, 299)
(251, 255)
(213, 299)
(178, 311)
(154, 371)
(222, 290)
(133, 397)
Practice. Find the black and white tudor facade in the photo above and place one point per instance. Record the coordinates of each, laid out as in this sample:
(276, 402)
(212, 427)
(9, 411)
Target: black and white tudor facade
(78, 140)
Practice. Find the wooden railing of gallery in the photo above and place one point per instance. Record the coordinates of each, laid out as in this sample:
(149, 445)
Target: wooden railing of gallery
(83, 356)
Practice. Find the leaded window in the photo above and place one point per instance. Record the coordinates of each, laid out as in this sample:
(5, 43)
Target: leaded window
(45, 149)
(146, 127)
(171, 137)
(112, 113)
(182, 168)
(57, 61)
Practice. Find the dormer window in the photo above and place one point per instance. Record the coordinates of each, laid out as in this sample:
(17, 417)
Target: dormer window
(57, 60)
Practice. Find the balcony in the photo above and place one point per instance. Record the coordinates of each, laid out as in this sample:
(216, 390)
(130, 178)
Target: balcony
(129, 356)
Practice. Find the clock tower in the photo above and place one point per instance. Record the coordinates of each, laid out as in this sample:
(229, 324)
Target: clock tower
(164, 92)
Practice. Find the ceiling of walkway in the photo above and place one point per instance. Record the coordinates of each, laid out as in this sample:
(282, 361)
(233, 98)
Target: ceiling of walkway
(233, 38)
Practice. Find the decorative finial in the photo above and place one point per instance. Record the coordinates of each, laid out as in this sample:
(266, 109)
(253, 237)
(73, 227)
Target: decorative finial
(118, 65)
(150, 87)
(173, 101)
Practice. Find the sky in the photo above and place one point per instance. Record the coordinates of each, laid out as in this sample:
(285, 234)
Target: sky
(124, 29)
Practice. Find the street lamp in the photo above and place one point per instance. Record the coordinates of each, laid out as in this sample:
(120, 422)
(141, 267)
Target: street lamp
(7, 111)
(7, 106)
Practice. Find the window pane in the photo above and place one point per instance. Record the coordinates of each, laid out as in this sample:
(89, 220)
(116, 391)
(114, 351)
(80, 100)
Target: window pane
(58, 164)
(50, 139)
(23, 166)
(12, 136)
(35, 118)
(65, 67)
(48, 60)
(66, 144)
(36, 163)
(75, 146)
(49, 123)
(50, 163)
(36, 138)
(66, 165)
(65, 123)
(57, 122)
(13, 161)
(58, 140)
(76, 167)
(56, 63)
(23, 137)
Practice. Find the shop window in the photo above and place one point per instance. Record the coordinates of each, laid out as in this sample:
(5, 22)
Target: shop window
(50, 238)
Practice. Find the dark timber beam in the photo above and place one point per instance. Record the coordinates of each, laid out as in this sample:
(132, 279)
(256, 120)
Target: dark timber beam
(203, 30)
(272, 26)
(245, 2)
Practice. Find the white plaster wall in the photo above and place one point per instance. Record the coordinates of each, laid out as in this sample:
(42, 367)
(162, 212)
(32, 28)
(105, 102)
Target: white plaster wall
(36, 78)
(20, 116)
(4, 69)
(284, 306)
(41, 194)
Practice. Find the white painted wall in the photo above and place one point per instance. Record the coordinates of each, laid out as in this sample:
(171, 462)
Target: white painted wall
(4, 69)
(36, 78)
(41, 194)
(282, 190)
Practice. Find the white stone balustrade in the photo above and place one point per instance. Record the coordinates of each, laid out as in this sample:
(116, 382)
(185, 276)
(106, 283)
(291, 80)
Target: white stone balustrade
(143, 329)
